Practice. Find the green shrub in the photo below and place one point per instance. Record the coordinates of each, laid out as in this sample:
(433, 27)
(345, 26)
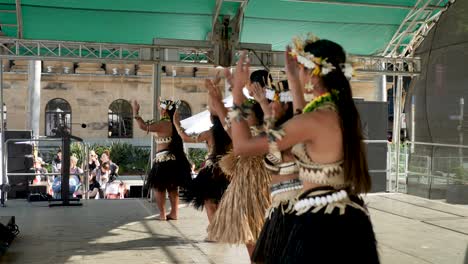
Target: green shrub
(461, 175)
(76, 150)
(197, 156)
(130, 159)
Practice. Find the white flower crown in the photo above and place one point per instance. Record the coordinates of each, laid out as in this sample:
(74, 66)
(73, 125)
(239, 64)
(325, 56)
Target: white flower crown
(169, 104)
(272, 95)
(318, 65)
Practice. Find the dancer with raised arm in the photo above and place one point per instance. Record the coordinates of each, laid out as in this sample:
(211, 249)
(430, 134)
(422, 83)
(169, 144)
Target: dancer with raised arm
(277, 104)
(171, 169)
(241, 213)
(330, 224)
(208, 187)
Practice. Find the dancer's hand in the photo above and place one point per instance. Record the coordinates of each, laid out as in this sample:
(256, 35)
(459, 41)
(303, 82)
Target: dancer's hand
(258, 93)
(213, 90)
(292, 67)
(215, 98)
(135, 107)
(241, 76)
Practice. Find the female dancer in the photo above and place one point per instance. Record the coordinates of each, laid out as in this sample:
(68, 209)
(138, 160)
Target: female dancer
(241, 212)
(285, 185)
(208, 187)
(171, 168)
(331, 223)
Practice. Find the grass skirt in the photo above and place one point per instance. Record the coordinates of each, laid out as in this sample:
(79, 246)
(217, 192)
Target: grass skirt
(331, 236)
(209, 184)
(240, 216)
(168, 172)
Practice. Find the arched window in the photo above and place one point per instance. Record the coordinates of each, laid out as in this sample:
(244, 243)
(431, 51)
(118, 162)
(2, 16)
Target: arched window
(184, 110)
(120, 119)
(58, 113)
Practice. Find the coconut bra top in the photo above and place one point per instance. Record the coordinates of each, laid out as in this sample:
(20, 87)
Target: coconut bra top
(162, 140)
(277, 166)
(331, 174)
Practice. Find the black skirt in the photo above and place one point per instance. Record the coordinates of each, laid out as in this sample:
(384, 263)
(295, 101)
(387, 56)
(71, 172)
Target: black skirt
(319, 237)
(210, 184)
(169, 172)
(274, 236)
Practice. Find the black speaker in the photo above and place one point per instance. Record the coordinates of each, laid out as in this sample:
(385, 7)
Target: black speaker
(135, 191)
(20, 160)
(8, 231)
(374, 125)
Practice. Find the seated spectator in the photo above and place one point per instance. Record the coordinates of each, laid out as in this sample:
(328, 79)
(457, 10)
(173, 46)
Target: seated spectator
(93, 162)
(94, 189)
(40, 171)
(112, 190)
(114, 168)
(57, 186)
(74, 170)
(101, 173)
(78, 172)
(57, 162)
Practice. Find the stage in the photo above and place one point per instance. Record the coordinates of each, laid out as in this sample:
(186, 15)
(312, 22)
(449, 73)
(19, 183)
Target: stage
(409, 230)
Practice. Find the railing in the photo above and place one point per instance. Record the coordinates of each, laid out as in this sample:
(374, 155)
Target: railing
(6, 174)
(435, 170)
(397, 178)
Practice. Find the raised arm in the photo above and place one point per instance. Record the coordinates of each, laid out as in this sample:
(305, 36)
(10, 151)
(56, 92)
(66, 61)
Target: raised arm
(215, 102)
(258, 94)
(292, 73)
(148, 126)
(197, 138)
(294, 131)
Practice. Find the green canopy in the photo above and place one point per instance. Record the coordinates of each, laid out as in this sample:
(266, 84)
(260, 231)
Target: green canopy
(361, 30)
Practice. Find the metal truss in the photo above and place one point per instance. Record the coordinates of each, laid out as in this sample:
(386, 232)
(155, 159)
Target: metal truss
(372, 65)
(102, 52)
(387, 66)
(188, 53)
(414, 28)
(361, 4)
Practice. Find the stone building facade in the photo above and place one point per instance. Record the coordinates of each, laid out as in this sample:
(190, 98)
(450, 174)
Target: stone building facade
(91, 88)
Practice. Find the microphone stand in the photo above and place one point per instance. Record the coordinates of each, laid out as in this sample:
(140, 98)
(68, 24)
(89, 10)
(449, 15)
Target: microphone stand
(64, 133)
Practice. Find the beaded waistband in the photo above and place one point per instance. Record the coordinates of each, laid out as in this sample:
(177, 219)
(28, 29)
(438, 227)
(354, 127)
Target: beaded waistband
(284, 196)
(163, 156)
(285, 186)
(329, 199)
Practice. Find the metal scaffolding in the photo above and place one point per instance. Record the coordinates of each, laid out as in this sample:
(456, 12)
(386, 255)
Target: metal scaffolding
(364, 4)
(414, 28)
(187, 53)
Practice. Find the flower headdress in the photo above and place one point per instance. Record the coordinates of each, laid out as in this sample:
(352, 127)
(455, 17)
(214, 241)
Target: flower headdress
(169, 104)
(280, 93)
(319, 66)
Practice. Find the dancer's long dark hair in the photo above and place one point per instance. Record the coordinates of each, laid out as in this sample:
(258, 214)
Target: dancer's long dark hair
(222, 141)
(177, 145)
(355, 160)
(262, 77)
